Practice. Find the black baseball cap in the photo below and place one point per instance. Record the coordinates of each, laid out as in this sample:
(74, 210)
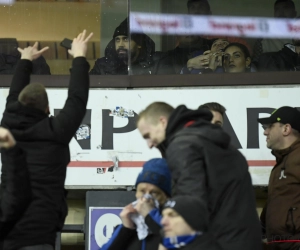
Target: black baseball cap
(284, 115)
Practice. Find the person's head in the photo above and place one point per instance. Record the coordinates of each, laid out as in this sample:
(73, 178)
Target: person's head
(155, 179)
(217, 110)
(122, 45)
(152, 122)
(34, 95)
(183, 215)
(285, 9)
(282, 128)
(236, 58)
(198, 7)
(218, 44)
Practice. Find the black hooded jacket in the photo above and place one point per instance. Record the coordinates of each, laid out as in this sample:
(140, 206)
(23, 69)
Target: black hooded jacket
(45, 141)
(110, 64)
(283, 60)
(203, 164)
(16, 196)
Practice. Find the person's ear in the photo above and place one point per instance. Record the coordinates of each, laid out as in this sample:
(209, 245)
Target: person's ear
(248, 62)
(287, 129)
(164, 121)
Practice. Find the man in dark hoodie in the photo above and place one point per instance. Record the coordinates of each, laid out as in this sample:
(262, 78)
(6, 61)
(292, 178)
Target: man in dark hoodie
(204, 165)
(123, 57)
(45, 141)
(15, 198)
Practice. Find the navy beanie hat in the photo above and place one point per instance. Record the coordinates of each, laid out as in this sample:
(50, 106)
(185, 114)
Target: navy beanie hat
(156, 172)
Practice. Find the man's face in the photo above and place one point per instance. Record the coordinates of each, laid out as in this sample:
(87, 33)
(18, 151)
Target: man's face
(199, 8)
(173, 224)
(217, 118)
(122, 47)
(147, 188)
(218, 45)
(284, 10)
(274, 135)
(153, 132)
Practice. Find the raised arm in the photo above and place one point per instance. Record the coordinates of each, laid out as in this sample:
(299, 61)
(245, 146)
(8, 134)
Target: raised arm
(23, 70)
(15, 191)
(69, 118)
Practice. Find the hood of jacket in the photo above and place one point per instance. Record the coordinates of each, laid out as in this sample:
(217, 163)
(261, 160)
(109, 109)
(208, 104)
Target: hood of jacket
(200, 122)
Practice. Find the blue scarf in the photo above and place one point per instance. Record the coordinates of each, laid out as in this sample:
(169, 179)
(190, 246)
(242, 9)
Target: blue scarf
(179, 241)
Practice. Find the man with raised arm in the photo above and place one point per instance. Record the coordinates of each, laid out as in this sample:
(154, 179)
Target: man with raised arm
(45, 141)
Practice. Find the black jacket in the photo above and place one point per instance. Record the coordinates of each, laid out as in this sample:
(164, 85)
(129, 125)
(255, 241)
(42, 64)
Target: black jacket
(111, 65)
(16, 196)
(45, 140)
(8, 64)
(283, 60)
(203, 164)
(127, 239)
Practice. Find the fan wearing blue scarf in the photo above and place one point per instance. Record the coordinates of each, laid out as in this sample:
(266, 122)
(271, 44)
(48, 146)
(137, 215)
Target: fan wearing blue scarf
(184, 225)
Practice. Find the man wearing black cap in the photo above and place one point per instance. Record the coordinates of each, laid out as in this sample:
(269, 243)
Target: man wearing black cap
(153, 187)
(185, 225)
(140, 50)
(281, 214)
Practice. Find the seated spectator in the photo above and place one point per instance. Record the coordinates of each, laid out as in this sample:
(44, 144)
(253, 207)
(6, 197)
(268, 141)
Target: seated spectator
(198, 7)
(236, 59)
(209, 60)
(118, 53)
(287, 59)
(153, 187)
(185, 225)
(9, 57)
(282, 9)
(217, 110)
(188, 47)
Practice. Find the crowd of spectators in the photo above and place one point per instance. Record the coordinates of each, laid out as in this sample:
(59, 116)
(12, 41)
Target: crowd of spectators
(135, 54)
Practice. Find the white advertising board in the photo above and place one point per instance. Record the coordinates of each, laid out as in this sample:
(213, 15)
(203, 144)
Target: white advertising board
(105, 136)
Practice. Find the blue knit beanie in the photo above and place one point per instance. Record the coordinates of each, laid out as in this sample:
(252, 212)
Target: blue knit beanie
(156, 172)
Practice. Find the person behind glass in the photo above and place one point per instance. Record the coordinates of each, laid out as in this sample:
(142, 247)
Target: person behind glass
(154, 180)
(45, 141)
(209, 61)
(188, 46)
(217, 110)
(9, 57)
(140, 50)
(236, 59)
(16, 195)
(204, 165)
(280, 217)
(287, 59)
(282, 9)
(185, 225)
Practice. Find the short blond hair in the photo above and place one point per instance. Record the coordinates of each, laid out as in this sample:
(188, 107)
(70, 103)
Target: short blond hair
(155, 110)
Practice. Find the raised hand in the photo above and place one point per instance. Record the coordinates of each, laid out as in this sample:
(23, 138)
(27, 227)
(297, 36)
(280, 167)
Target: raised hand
(6, 139)
(125, 216)
(79, 45)
(32, 52)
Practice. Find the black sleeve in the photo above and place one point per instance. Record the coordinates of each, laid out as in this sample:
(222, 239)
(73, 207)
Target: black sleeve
(153, 225)
(186, 162)
(16, 194)
(69, 118)
(21, 78)
(120, 239)
(40, 67)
